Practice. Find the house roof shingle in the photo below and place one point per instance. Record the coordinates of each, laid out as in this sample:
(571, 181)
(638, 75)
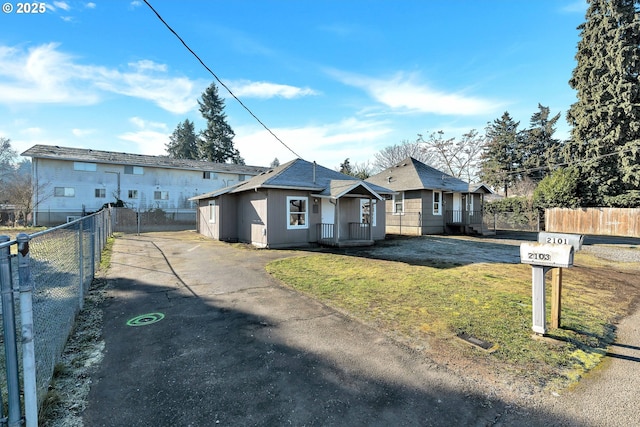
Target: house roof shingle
(300, 174)
(411, 174)
(98, 156)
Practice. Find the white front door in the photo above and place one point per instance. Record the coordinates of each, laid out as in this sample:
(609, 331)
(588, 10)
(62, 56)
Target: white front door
(457, 207)
(327, 217)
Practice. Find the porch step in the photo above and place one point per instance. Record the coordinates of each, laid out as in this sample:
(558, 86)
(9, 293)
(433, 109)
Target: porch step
(347, 243)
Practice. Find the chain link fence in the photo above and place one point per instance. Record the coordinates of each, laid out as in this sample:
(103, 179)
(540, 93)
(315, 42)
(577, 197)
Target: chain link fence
(128, 220)
(513, 221)
(44, 278)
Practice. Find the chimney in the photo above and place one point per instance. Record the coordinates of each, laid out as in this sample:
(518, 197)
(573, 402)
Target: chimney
(314, 171)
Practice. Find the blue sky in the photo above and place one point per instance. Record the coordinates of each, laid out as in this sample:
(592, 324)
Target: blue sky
(333, 79)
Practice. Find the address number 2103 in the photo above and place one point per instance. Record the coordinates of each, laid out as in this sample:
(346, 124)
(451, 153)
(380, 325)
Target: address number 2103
(538, 256)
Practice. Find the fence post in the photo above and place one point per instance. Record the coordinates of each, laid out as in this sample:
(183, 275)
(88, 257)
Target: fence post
(81, 264)
(9, 329)
(26, 318)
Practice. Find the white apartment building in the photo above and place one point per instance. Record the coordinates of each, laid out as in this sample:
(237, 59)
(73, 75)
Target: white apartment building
(69, 182)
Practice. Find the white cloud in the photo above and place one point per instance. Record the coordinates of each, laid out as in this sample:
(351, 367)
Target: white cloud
(403, 92)
(82, 133)
(43, 74)
(32, 132)
(62, 5)
(90, 5)
(148, 141)
(135, 4)
(268, 90)
(328, 144)
(145, 124)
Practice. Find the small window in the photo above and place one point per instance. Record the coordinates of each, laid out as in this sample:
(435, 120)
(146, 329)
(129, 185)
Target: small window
(297, 212)
(133, 170)
(437, 202)
(398, 204)
(82, 166)
(101, 193)
(64, 192)
(161, 195)
(242, 177)
(212, 211)
(209, 175)
(133, 194)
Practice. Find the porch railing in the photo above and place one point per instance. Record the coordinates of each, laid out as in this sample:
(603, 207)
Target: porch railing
(359, 231)
(463, 217)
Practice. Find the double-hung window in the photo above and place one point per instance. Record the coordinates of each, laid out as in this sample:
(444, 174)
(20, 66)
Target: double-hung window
(398, 204)
(297, 212)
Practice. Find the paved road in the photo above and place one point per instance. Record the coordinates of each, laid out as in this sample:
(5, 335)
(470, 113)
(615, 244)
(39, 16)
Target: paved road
(236, 348)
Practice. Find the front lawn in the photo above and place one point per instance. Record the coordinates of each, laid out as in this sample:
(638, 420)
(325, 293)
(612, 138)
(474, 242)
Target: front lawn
(428, 306)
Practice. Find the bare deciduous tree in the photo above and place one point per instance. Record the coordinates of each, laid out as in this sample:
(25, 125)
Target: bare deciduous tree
(459, 158)
(394, 154)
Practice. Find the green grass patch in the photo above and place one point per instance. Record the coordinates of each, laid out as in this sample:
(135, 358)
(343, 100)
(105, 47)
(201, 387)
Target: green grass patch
(491, 302)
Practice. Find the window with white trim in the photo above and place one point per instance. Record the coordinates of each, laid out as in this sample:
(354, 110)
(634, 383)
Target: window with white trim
(101, 193)
(398, 204)
(212, 211)
(365, 212)
(437, 202)
(297, 212)
(133, 170)
(64, 192)
(83, 166)
(161, 195)
(133, 194)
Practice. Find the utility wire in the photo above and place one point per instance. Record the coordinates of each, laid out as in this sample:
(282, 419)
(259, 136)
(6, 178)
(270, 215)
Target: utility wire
(218, 79)
(583, 160)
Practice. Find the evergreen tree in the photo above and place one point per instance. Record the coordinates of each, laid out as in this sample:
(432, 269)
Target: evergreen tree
(605, 138)
(501, 157)
(216, 141)
(345, 167)
(183, 143)
(540, 150)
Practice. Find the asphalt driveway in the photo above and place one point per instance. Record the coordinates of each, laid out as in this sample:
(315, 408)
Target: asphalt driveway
(198, 334)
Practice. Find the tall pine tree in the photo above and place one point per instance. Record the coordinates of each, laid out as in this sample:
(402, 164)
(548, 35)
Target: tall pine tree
(605, 138)
(540, 150)
(183, 143)
(216, 141)
(500, 160)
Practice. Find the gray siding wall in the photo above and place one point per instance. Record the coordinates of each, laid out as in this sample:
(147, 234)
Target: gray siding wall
(252, 217)
(277, 232)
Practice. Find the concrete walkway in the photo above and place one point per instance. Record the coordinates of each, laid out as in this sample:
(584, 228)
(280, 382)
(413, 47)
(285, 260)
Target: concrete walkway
(217, 341)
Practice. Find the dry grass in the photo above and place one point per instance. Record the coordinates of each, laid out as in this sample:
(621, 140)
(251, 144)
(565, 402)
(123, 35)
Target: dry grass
(429, 305)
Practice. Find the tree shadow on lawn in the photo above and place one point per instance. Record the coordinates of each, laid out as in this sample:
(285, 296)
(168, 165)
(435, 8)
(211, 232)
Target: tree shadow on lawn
(436, 251)
(207, 362)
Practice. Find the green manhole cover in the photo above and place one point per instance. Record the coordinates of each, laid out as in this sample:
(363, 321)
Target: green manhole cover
(145, 319)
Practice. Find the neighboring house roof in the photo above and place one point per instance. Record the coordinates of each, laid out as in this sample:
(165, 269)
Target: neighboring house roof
(300, 174)
(411, 174)
(98, 156)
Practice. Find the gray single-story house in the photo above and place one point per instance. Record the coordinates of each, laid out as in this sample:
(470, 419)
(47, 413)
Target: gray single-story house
(296, 204)
(429, 201)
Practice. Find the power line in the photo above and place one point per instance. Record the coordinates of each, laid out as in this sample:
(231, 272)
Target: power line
(218, 79)
(555, 165)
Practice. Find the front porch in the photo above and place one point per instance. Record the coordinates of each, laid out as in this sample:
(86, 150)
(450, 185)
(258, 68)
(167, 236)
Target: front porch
(359, 234)
(468, 222)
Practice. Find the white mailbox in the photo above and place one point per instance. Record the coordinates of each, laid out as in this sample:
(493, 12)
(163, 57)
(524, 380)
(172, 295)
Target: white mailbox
(546, 254)
(574, 240)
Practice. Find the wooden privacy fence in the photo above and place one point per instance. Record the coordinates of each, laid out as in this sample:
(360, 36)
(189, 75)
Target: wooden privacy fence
(599, 221)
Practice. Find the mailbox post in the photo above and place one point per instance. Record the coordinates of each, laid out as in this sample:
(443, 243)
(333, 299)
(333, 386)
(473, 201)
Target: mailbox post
(543, 257)
(574, 240)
